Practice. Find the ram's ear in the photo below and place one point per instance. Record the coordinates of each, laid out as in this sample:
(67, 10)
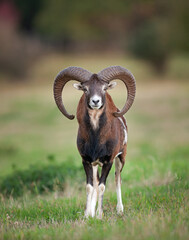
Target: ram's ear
(78, 86)
(112, 85)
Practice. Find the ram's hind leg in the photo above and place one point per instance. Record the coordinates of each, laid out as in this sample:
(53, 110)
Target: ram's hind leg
(118, 167)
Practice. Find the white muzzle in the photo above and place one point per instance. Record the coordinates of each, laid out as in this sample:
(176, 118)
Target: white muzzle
(95, 102)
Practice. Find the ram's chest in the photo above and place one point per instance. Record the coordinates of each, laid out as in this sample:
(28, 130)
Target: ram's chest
(92, 150)
(93, 147)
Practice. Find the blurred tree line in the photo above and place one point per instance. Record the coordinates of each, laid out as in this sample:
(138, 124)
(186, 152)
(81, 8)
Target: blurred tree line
(151, 30)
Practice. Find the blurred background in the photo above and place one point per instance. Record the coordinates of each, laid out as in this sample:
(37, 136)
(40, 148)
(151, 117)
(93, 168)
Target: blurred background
(38, 38)
(153, 31)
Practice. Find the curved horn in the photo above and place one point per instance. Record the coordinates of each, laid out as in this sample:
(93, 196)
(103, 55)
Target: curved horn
(70, 73)
(117, 72)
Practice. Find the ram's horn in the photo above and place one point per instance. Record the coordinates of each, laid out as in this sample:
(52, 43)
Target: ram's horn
(117, 72)
(70, 73)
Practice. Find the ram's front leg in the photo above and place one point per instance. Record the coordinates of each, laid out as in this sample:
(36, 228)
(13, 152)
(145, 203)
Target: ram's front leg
(95, 190)
(101, 188)
(89, 187)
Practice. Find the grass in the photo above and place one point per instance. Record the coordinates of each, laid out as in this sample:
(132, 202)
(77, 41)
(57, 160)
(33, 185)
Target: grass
(42, 182)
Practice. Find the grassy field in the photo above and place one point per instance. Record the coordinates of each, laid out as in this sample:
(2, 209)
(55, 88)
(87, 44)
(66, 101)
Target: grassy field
(42, 182)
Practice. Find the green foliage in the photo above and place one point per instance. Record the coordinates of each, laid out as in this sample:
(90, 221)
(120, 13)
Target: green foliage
(158, 31)
(28, 11)
(111, 21)
(151, 30)
(148, 43)
(73, 21)
(38, 179)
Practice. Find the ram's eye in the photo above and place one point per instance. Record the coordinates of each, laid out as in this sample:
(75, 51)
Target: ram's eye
(85, 90)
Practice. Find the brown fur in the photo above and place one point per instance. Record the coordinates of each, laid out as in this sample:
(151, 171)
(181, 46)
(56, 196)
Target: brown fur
(112, 128)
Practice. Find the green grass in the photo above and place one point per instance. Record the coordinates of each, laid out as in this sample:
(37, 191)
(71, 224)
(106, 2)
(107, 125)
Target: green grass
(42, 183)
(158, 212)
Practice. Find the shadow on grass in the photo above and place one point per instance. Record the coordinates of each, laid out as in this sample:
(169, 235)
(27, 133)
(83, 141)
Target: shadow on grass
(39, 179)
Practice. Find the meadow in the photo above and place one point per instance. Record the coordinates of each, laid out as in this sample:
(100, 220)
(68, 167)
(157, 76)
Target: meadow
(42, 182)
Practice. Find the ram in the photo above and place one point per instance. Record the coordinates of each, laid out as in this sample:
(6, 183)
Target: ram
(102, 133)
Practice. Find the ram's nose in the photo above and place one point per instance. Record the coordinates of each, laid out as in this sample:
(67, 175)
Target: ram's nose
(95, 101)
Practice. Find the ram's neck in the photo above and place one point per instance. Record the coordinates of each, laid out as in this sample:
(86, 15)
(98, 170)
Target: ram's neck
(95, 117)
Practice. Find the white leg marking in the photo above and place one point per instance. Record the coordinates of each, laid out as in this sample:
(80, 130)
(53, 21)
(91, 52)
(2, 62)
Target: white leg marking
(125, 131)
(95, 190)
(89, 190)
(118, 154)
(118, 185)
(101, 189)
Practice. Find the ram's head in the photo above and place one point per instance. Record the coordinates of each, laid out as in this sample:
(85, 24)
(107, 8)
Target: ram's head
(95, 86)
